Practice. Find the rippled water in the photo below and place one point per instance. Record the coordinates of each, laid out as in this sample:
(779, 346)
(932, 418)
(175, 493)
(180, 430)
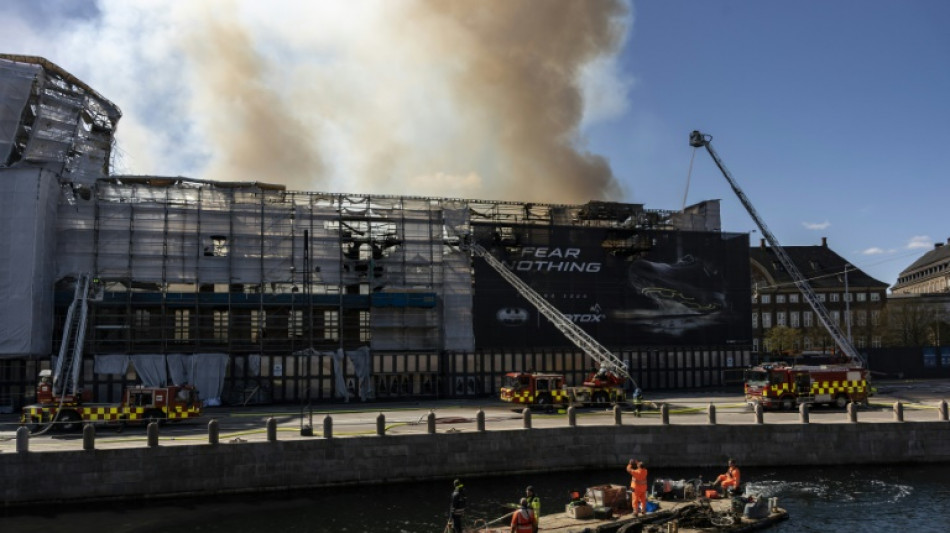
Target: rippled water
(840, 500)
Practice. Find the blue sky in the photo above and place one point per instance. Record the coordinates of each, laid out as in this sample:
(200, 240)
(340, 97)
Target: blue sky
(831, 115)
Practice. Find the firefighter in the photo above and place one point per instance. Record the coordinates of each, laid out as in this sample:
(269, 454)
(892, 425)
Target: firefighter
(730, 480)
(457, 509)
(637, 401)
(638, 483)
(533, 501)
(524, 520)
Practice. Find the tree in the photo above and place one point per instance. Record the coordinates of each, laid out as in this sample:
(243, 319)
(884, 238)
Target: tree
(783, 339)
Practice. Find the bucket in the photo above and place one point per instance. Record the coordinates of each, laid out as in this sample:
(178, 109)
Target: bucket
(712, 494)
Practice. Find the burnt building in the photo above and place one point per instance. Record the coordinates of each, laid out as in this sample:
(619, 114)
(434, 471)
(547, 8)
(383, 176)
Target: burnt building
(256, 293)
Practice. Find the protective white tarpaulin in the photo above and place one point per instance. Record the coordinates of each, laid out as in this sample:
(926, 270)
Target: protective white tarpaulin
(114, 364)
(206, 371)
(27, 242)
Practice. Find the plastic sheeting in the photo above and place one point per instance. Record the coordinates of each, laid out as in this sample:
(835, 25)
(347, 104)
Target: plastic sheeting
(115, 364)
(27, 244)
(362, 361)
(151, 369)
(205, 371)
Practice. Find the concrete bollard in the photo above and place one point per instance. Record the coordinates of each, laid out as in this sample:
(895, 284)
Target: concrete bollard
(571, 416)
(852, 412)
(327, 427)
(381, 425)
(526, 417)
(665, 414)
(803, 413)
(942, 410)
(898, 412)
(152, 434)
(759, 414)
(271, 429)
(89, 437)
(618, 416)
(214, 431)
(430, 423)
(711, 410)
(480, 421)
(22, 439)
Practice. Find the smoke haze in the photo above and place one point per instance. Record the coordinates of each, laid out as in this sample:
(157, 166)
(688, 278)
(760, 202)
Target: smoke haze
(475, 99)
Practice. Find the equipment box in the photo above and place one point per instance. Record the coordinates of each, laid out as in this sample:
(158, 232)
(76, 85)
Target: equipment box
(579, 511)
(613, 496)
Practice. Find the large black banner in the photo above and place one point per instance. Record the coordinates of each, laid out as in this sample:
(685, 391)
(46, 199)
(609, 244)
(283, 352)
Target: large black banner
(624, 287)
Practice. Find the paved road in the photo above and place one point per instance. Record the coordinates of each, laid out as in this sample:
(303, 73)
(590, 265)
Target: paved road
(920, 399)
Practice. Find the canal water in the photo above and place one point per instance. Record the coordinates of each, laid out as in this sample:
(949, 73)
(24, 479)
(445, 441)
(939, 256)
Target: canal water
(819, 499)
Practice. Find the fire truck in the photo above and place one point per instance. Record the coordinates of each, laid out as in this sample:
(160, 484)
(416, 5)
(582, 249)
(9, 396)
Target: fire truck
(543, 389)
(139, 404)
(785, 387)
(61, 403)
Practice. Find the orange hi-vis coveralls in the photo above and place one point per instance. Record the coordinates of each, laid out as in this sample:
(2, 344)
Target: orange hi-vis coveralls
(730, 479)
(523, 521)
(639, 485)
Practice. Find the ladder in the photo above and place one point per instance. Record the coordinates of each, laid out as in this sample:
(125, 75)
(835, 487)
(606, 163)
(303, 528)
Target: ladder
(604, 357)
(696, 140)
(69, 363)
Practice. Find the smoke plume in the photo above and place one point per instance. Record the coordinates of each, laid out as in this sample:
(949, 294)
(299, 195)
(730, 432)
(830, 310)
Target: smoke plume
(475, 99)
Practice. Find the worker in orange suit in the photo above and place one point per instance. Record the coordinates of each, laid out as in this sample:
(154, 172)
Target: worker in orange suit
(729, 480)
(524, 520)
(638, 483)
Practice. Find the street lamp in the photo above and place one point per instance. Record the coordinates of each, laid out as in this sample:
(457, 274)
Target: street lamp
(847, 303)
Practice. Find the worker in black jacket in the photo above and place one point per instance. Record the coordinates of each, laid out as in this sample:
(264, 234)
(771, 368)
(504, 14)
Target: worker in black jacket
(457, 509)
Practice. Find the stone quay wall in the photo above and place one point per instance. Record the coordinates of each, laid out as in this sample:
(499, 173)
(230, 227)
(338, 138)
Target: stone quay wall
(155, 471)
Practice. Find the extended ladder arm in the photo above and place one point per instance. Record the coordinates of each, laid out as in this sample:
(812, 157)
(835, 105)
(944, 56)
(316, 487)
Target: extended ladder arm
(696, 140)
(604, 357)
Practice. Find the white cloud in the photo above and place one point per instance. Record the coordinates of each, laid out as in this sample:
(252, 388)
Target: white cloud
(816, 225)
(919, 241)
(874, 250)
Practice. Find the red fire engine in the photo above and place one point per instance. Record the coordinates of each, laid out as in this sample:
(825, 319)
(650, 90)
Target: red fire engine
(139, 404)
(542, 389)
(785, 387)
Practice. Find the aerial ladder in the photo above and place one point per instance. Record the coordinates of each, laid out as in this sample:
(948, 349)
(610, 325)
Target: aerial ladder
(602, 356)
(699, 140)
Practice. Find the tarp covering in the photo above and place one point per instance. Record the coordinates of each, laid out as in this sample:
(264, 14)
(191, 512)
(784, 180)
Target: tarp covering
(27, 242)
(115, 364)
(151, 369)
(205, 371)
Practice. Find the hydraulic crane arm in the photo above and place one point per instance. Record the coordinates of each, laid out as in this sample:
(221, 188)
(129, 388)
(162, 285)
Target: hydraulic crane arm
(604, 357)
(697, 140)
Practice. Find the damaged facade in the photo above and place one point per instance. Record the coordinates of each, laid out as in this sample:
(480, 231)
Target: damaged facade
(256, 293)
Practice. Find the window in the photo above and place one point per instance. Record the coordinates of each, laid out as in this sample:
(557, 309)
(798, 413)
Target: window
(875, 318)
(331, 325)
(860, 342)
(220, 326)
(862, 297)
(807, 344)
(862, 319)
(258, 325)
(766, 320)
(875, 297)
(295, 324)
(836, 317)
(835, 297)
(141, 319)
(766, 298)
(755, 320)
(216, 246)
(779, 298)
(876, 341)
(793, 298)
(780, 318)
(806, 319)
(821, 296)
(793, 319)
(755, 344)
(365, 335)
(848, 297)
(182, 325)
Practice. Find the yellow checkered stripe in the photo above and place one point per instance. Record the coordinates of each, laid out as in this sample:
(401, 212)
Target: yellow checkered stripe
(819, 387)
(525, 396)
(111, 413)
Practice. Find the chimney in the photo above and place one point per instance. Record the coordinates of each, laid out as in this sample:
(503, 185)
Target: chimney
(761, 243)
(824, 242)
